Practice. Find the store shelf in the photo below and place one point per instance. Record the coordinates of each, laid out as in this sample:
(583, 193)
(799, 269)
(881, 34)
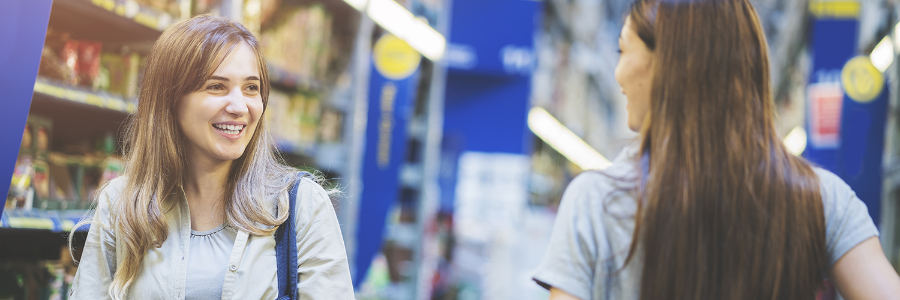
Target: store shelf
(109, 20)
(78, 114)
(81, 95)
(55, 221)
(285, 79)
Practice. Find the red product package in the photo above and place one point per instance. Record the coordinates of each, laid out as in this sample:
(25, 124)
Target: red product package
(69, 56)
(88, 67)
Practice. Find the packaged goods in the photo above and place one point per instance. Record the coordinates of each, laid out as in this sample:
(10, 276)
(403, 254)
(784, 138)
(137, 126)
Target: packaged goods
(88, 66)
(69, 57)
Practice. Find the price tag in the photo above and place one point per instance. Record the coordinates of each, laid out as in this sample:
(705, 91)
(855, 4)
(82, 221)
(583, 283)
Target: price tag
(116, 104)
(75, 95)
(33, 223)
(95, 100)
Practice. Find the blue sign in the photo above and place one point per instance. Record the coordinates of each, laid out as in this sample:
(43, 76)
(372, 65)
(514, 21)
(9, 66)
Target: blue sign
(23, 26)
(392, 87)
(846, 134)
(493, 37)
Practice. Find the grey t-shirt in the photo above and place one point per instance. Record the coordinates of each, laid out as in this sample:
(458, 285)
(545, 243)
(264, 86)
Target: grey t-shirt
(594, 225)
(208, 261)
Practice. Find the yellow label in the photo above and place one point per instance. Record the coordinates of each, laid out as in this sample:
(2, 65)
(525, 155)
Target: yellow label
(33, 223)
(77, 96)
(861, 80)
(839, 9)
(67, 225)
(94, 99)
(116, 104)
(49, 89)
(106, 4)
(394, 58)
(146, 20)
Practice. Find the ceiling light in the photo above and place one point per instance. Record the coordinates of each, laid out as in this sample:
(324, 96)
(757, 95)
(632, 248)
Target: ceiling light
(546, 127)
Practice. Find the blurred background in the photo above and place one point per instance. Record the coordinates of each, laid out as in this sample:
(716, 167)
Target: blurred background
(451, 126)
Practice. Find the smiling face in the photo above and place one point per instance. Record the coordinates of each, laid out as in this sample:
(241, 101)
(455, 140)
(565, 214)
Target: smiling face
(219, 120)
(634, 73)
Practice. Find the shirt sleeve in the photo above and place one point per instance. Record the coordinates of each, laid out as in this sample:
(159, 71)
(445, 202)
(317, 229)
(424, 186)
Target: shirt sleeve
(569, 262)
(847, 220)
(98, 260)
(323, 270)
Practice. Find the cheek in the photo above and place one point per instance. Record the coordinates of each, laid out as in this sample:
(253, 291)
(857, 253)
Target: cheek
(256, 110)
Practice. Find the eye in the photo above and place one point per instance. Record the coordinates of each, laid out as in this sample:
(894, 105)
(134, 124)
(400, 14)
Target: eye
(253, 87)
(215, 87)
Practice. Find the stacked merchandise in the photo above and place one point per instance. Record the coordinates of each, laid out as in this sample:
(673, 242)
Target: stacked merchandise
(171, 7)
(65, 177)
(44, 279)
(85, 63)
(51, 180)
(297, 40)
(299, 121)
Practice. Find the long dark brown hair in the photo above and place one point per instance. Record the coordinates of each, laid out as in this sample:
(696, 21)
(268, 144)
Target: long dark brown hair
(727, 211)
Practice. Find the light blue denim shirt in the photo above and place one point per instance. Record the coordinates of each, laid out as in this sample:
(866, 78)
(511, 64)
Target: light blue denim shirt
(251, 271)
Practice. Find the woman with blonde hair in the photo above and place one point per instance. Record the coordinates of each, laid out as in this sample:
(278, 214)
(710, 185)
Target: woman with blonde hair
(711, 205)
(194, 214)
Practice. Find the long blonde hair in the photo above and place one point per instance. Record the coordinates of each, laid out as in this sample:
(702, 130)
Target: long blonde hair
(183, 58)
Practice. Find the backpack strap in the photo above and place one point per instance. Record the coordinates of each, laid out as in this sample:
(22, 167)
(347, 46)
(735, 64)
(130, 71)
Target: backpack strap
(286, 247)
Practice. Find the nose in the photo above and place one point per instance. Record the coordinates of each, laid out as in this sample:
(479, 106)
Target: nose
(237, 103)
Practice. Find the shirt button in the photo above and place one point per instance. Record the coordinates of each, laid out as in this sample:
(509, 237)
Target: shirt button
(233, 268)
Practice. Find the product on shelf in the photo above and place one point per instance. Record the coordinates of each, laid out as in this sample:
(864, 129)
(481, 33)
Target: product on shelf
(206, 7)
(88, 66)
(87, 63)
(331, 125)
(171, 7)
(122, 69)
(20, 189)
(299, 40)
(294, 118)
(41, 279)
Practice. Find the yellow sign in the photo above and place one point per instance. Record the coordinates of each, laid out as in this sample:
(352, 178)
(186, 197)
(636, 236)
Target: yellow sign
(394, 58)
(861, 80)
(836, 9)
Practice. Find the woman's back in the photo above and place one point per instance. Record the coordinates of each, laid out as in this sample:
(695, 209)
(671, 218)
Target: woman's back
(596, 221)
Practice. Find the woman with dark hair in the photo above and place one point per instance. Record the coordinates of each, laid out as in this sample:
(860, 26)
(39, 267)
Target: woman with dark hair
(711, 205)
(194, 214)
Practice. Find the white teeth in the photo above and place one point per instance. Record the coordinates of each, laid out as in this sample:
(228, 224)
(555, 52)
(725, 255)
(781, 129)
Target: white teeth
(229, 129)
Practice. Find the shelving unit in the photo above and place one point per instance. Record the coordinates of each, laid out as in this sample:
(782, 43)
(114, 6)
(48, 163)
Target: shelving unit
(80, 113)
(121, 21)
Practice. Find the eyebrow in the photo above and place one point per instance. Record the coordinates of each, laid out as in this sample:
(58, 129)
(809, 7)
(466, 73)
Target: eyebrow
(214, 77)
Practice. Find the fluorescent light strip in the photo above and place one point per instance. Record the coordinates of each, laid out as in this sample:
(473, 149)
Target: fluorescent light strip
(394, 18)
(883, 54)
(546, 127)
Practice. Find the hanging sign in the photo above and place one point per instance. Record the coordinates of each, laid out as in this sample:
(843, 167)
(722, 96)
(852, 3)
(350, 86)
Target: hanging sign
(392, 87)
(847, 104)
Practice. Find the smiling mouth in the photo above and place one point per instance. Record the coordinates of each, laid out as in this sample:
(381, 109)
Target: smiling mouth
(229, 129)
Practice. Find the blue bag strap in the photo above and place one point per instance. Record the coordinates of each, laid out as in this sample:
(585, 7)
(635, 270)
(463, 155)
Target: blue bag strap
(286, 247)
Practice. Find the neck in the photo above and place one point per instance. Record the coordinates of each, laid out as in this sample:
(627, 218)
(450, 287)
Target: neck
(204, 188)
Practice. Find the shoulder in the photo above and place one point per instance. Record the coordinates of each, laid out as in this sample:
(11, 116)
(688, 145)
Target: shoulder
(115, 187)
(835, 192)
(110, 193)
(311, 199)
(610, 190)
